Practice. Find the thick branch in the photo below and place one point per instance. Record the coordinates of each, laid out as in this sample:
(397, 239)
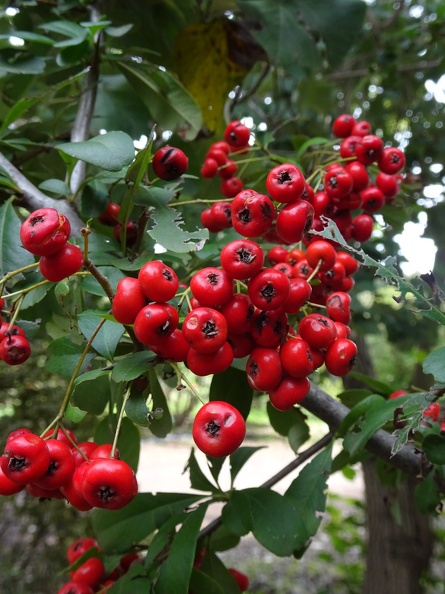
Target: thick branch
(333, 412)
(35, 199)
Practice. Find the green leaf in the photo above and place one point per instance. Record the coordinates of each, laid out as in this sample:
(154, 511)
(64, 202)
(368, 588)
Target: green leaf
(168, 100)
(134, 580)
(64, 355)
(28, 36)
(231, 386)
(176, 571)
(214, 569)
(434, 448)
(74, 33)
(132, 366)
(434, 364)
(110, 151)
(308, 494)
(427, 495)
(317, 140)
(251, 510)
(113, 275)
(33, 65)
(198, 479)
(36, 295)
(119, 31)
(413, 407)
(283, 421)
(353, 396)
(12, 255)
(331, 18)
(55, 186)
(108, 337)
(375, 385)
(118, 530)
(128, 443)
(22, 105)
(202, 583)
(167, 222)
(136, 408)
(163, 426)
(91, 391)
(298, 434)
(240, 457)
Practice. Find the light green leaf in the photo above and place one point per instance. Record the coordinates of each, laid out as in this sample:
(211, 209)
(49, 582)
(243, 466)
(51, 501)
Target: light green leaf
(12, 254)
(108, 337)
(110, 151)
(63, 356)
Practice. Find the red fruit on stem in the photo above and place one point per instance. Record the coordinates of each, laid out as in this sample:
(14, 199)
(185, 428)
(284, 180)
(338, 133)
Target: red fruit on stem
(218, 429)
(169, 163)
(45, 232)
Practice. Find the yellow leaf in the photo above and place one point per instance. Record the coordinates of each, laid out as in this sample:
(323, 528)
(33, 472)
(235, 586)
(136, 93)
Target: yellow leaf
(207, 68)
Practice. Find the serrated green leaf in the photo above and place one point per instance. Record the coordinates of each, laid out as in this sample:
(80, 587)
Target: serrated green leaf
(176, 571)
(198, 479)
(12, 254)
(118, 530)
(110, 151)
(132, 366)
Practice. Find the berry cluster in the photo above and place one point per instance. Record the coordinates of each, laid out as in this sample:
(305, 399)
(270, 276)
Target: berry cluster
(55, 466)
(45, 233)
(217, 162)
(91, 575)
(291, 208)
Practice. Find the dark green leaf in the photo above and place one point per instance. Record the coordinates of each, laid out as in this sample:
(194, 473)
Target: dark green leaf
(308, 494)
(55, 186)
(163, 426)
(33, 65)
(232, 386)
(376, 386)
(240, 457)
(434, 448)
(352, 397)
(434, 364)
(113, 275)
(250, 510)
(427, 495)
(214, 567)
(118, 530)
(198, 479)
(298, 434)
(176, 571)
(135, 581)
(110, 151)
(12, 254)
(283, 421)
(136, 408)
(132, 366)
(202, 583)
(91, 391)
(64, 355)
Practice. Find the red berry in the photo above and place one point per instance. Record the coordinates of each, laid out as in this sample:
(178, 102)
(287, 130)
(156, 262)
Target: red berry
(391, 161)
(218, 429)
(155, 322)
(73, 587)
(252, 213)
(242, 258)
(158, 281)
(268, 289)
(209, 168)
(317, 330)
(290, 391)
(231, 186)
(25, 458)
(296, 358)
(90, 573)
(60, 468)
(269, 328)
(211, 286)
(285, 183)
(108, 483)
(9, 487)
(236, 134)
(110, 214)
(169, 163)
(342, 126)
(205, 329)
(362, 226)
(241, 579)
(361, 128)
(15, 349)
(294, 220)
(65, 262)
(44, 232)
(238, 313)
(340, 356)
(79, 547)
(321, 253)
(203, 364)
(264, 369)
(221, 214)
(128, 300)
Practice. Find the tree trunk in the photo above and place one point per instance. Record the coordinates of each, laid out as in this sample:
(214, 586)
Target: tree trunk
(400, 539)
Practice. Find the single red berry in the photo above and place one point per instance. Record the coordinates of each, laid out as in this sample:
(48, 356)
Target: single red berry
(9, 487)
(269, 328)
(104, 451)
(128, 300)
(209, 168)
(228, 170)
(72, 491)
(221, 214)
(90, 573)
(338, 307)
(342, 126)
(264, 369)
(158, 281)
(131, 233)
(285, 183)
(79, 547)
(389, 185)
(432, 411)
(67, 436)
(359, 174)
(321, 253)
(15, 349)
(169, 163)
(296, 358)
(268, 289)
(203, 364)
(65, 262)
(347, 147)
(340, 356)
(288, 392)
(83, 451)
(369, 149)
(238, 313)
(60, 468)
(110, 215)
(173, 347)
(397, 394)
(242, 258)
(208, 221)
(317, 330)
(372, 199)
(218, 429)
(73, 587)
(242, 344)
(349, 262)
(211, 286)
(16, 433)
(294, 220)
(252, 213)
(277, 254)
(299, 292)
(108, 483)
(391, 161)
(44, 232)
(236, 134)
(219, 155)
(362, 226)
(25, 458)
(155, 322)
(361, 128)
(231, 186)
(205, 329)
(338, 183)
